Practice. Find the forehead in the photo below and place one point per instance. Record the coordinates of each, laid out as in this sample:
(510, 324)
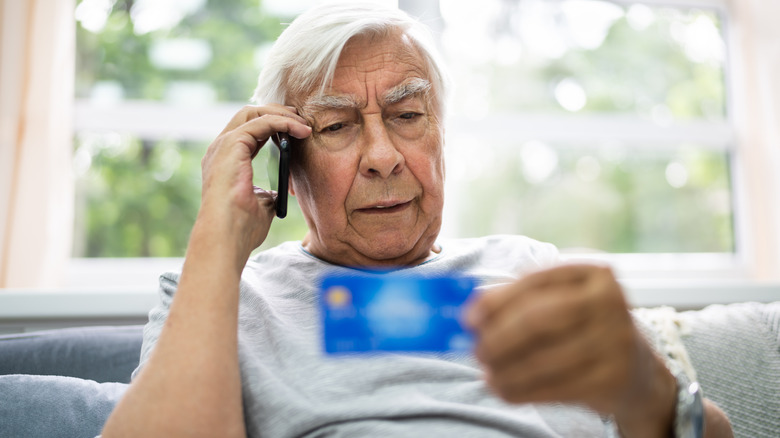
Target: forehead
(371, 66)
(376, 58)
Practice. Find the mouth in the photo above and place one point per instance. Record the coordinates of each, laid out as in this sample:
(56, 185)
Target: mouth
(386, 207)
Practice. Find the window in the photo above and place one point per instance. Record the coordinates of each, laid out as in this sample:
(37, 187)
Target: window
(156, 82)
(603, 126)
(598, 126)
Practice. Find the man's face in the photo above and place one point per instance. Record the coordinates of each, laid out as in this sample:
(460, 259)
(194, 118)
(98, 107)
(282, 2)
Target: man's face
(370, 178)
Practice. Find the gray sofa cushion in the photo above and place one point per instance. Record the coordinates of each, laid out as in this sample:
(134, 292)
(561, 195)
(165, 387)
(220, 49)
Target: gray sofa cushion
(735, 350)
(102, 354)
(55, 406)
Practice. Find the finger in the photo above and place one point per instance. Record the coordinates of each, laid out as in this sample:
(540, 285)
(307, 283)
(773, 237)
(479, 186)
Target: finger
(564, 388)
(250, 112)
(590, 383)
(486, 305)
(554, 311)
(515, 301)
(264, 126)
(254, 133)
(481, 307)
(550, 364)
(266, 200)
(552, 314)
(262, 193)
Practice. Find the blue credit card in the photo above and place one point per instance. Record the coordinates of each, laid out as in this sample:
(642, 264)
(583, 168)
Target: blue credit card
(394, 312)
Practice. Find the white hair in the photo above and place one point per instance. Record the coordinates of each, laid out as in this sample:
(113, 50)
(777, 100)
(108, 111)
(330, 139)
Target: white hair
(304, 57)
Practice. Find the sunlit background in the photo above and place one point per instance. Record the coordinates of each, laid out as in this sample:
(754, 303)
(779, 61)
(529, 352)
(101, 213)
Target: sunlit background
(593, 125)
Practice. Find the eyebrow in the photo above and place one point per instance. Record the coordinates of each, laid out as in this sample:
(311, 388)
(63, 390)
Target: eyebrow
(323, 102)
(412, 87)
(328, 101)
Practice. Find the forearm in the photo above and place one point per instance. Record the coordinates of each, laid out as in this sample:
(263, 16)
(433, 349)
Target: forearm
(649, 408)
(191, 384)
(652, 412)
(716, 423)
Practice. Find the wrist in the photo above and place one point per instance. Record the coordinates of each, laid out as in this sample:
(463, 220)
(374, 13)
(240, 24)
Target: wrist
(649, 407)
(217, 242)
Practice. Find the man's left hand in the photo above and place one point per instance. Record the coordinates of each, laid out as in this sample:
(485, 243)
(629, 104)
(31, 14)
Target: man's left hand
(561, 335)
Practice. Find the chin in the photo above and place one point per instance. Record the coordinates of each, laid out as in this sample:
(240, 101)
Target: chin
(398, 249)
(389, 253)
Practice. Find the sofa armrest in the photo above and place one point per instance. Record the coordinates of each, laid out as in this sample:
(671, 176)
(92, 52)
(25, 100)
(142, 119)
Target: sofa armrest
(55, 406)
(102, 354)
(735, 350)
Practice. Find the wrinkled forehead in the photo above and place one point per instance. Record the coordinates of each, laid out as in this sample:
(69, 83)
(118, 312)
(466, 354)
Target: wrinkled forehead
(391, 55)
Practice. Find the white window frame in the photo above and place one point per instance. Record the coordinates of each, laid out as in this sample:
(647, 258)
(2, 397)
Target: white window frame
(645, 269)
(687, 280)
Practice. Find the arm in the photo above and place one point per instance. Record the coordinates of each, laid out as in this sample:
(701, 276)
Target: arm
(650, 408)
(565, 335)
(191, 384)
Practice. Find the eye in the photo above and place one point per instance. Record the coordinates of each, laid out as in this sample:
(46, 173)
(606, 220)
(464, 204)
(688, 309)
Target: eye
(334, 127)
(409, 116)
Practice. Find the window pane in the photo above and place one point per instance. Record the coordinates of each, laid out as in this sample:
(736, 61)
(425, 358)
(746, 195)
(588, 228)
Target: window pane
(585, 56)
(184, 52)
(139, 198)
(509, 57)
(588, 61)
(134, 197)
(594, 197)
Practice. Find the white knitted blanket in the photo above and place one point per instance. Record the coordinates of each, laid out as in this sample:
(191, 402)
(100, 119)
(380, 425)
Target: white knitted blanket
(734, 352)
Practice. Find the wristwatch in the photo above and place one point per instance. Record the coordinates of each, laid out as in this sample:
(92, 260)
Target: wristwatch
(689, 415)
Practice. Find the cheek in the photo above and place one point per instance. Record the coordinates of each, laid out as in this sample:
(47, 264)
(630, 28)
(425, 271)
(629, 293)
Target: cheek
(327, 180)
(430, 170)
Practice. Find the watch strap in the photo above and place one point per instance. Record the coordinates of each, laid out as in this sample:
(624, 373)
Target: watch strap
(689, 412)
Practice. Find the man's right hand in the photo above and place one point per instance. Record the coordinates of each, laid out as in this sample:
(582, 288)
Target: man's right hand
(231, 204)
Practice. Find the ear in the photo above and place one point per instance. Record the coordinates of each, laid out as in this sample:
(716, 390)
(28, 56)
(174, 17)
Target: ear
(290, 185)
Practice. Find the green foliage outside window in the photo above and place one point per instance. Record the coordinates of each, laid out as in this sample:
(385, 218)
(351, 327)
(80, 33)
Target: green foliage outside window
(138, 197)
(142, 196)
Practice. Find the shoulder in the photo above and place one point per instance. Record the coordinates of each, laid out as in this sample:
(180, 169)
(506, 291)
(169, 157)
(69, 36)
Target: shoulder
(291, 250)
(284, 260)
(542, 253)
(509, 253)
(505, 245)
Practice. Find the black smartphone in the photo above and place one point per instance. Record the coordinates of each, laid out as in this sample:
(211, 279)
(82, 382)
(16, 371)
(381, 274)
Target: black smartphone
(279, 172)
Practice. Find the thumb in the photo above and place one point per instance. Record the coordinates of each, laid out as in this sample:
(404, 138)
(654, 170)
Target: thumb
(265, 214)
(486, 305)
(487, 302)
(265, 198)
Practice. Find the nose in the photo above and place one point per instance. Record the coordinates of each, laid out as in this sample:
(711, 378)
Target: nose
(380, 157)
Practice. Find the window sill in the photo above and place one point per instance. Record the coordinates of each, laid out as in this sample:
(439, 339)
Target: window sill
(122, 291)
(135, 303)
(31, 310)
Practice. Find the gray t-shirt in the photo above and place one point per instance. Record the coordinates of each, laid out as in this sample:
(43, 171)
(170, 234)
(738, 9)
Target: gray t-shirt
(290, 388)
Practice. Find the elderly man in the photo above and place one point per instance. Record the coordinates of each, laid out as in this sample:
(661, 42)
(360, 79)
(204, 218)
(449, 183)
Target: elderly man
(234, 348)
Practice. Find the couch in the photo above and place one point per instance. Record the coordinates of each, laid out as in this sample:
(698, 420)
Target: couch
(64, 383)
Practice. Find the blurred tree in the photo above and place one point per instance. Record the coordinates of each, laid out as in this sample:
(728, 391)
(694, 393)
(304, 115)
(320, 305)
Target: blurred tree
(648, 71)
(138, 197)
